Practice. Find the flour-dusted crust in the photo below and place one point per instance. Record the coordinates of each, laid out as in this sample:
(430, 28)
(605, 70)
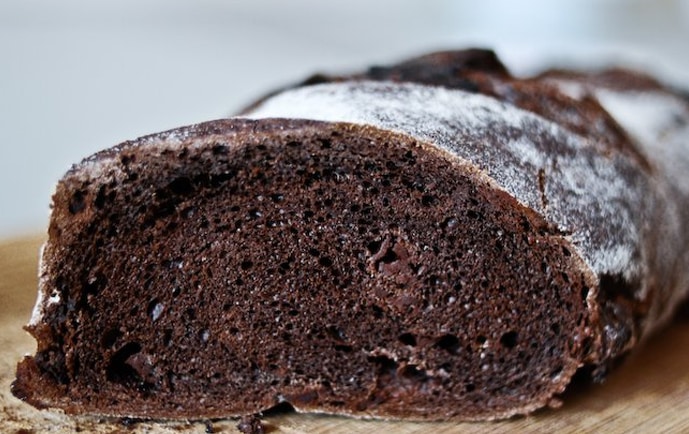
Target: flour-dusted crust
(555, 172)
(433, 240)
(656, 119)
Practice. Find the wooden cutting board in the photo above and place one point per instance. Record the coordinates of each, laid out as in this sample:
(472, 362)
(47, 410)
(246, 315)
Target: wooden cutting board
(648, 394)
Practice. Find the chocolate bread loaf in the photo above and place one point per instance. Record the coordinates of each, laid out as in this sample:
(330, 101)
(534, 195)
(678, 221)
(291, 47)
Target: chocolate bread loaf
(432, 240)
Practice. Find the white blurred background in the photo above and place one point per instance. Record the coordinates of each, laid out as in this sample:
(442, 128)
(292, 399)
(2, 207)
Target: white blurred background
(77, 76)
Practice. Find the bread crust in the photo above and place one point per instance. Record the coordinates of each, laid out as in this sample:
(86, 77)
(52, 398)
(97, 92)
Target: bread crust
(566, 211)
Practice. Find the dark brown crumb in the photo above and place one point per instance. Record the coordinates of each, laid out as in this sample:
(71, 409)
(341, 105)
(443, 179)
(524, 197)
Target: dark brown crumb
(209, 427)
(251, 424)
(395, 256)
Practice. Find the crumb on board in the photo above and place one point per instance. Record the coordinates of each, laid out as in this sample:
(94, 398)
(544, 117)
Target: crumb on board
(251, 425)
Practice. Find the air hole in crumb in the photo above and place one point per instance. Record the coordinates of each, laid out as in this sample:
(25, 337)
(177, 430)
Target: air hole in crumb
(277, 197)
(100, 199)
(173, 263)
(433, 280)
(389, 257)
(167, 337)
(254, 214)
(95, 283)
(584, 293)
(509, 339)
(555, 372)
(413, 373)
(481, 340)
(191, 313)
(110, 338)
(408, 339)
(449, 298)
(470, 387)
(555, 328)
(472, 214)
(449, 343)
(181, 186)
(324, 261)
(374, 246)
(155, 309)
(377, 311)
(246, 265)
(336, 333)
(204, 335)
(385, 365)
(447, 367)
(427, 200)
(219, 149)
(77, 203)
(118, 369)
(449, 223)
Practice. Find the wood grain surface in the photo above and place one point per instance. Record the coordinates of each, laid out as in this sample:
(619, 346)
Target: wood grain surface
(648, 394)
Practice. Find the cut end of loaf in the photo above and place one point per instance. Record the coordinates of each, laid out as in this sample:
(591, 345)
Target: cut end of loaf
(222, 269)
